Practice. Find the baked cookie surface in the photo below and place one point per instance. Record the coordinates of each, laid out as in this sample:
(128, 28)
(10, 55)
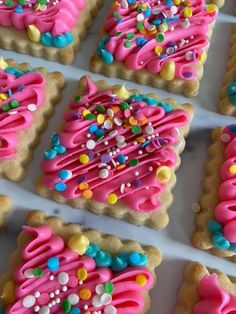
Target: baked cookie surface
(5, 205)
(27, 100)
(50, 29)
(116, 153)
(65, 268)
(156, 43)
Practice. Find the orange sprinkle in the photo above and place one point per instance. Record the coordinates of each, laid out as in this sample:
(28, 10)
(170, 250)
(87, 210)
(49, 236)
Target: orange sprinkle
(140, 139)
(121, 167)
(115, 109)
(128, 126)
(143, 121)
(144, 32)
(133, 121)
(83, 186)
(85, 294)
(87, 312)
(88, 194)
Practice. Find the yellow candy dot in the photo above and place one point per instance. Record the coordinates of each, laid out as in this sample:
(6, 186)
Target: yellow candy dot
(177, 2)
(100, 118)
(211, 8)
(232, 169)
(85, 112)
(85, 294)
(83, 186)
(3, 96)
(163, 174)
(158, 50)
(84, 159)
(112, 198)
(88, 194)
(141, 280)
(203, 57)
(188, 12)
(82, 274)
(78, 243)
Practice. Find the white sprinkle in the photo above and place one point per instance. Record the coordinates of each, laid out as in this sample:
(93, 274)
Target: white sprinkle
(120, 139)
(49, 305)
(110, 309)
(99, 289)
(96, 301)
(106, 143)
(150, 168)
(122, 188)
(58, 300)
(73, 299)
(32, 107)
(140, 152)
(107, 124)
(28, 301)
(189, 55)
(140, 17)
(103, 173)
(63, 278)
(52, 295)
(53, 302)
(36, 308)
(44, 310)
(57, 291)
(113, 133)
(136, 173)
(37, 294)
(128, 185)
(110, 113)
(64, 288)
(225, 138)
(90, 144)
(106, 299)
(118, 121)
(51, 277)
(29, 273)
(85, 306)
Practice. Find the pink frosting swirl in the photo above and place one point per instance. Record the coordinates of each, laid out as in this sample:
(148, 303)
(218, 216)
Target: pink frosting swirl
(122, 182)
(126, 297)
(182, 44)
(57, 17)
(27, 89)
(213, 298)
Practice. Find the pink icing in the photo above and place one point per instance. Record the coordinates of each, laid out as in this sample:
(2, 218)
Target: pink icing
(192, 39)
(27, 89)
(213, 298)
(160, 152)
(126, 297)
(58, 17)
(225, 211)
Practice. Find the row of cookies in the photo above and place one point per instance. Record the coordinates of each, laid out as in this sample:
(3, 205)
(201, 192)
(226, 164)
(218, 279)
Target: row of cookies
(162, 44)
(66, 268)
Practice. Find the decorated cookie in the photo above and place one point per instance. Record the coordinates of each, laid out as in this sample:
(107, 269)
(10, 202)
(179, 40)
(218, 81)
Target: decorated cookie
(51, 29)
(5, 205)
(227, 104)
(206, 291)
(27, 99)
(159, 43)
(116, 153)
(60, 268)
(216, 221)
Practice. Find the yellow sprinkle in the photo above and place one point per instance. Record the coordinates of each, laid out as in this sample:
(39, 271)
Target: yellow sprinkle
(141, 280)
(203, 57)
(133, 121)
(100, 118)
(188, 12)
(163, 174)
(84, 159)
(85, 294)
(8, 292)
(3, 64)
(78, 243)
(33, 33)
(112, 198)
(211, 8)
(177, 2)
(158, 50)
(88, 194)
(232, 169)
(121, 92)
(85, 112)
(82, 274)
(3, 96)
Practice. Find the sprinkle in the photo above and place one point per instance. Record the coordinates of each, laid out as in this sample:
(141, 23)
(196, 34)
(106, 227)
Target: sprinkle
(82, 274)
(136, 129)
(88, 194)
(32, 107)
(100, 109)
(99, 289)
(53, 263)
(110, 309)
(65, 174)
(66, 306)
(108, 287)
(93, 128)
(84, 159)
(232, 169)
(38, 272)
(133, 162)
(108, 124)
(90, 144)
(60, 186)
(141, 280)
(112, 198)
(103, 173)
(73, 299)
(28, 301)
(85, 294)
(63, 278)
(83, 186)
(105, 158)
(100, 118)
(29, 273)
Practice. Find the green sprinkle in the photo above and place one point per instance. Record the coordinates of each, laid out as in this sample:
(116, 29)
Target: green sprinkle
(100, 109)
(8, 3)
(38, 272)
(136, 129)
(66, 306)
(42, 2)
(160, 37)
(78, 98)
(130, 36)
(127, 44)
(6, 107)
(14, 103)
(22, 2)
(116, 15)
(133, 162)
(124, 105)
(140, 26)
(90, 116)
(118, 33)
(108, 287)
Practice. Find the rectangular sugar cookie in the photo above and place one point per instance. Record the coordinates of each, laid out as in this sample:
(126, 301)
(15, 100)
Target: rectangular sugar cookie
(227, 104)
(65, 268)
(49, 29)
(155, 43)
(206, 291)
(216, 223)
(116, 153)
(27, 100)
(5, 205)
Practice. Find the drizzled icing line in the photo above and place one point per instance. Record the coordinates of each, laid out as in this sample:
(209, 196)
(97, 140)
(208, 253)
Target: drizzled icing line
(54, 278)
(21, 93)
(163, 37)
(114, 146)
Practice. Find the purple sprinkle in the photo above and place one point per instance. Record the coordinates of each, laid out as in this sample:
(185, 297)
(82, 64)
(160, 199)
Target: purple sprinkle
(187, 74)
(171, 44)
(91, 154)
(105, 158)
(75, 116)
(136, 110)
(20, 87)
(137, 183)
(81, 179)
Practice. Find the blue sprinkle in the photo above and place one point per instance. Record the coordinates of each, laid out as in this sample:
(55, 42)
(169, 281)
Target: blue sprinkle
(46, 39)
(55, 139)
(50, 154)
(233, 99)
(9, 92)
(140, 41)
(93, 128)
(53, 263)
(220, 242)
(64, 174)
(163, 56)
(60, 149)
(124, 256)
(69, 38)
(131, 1)
(99, 132)
(156, 22)
(59, 41)
(121, 159)
(60, 186)
(118, 264)
(146, 143)
(151, 101)
(107, 57)
(18, 9)
(75, 310)
(214, 226)
(134, 258)
(148, 12)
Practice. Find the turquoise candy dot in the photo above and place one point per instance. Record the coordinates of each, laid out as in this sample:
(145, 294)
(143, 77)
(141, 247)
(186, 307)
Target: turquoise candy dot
(75, 310)
(220, 242)
(64, 174)
(214, 226)
(14, 71)
(124, 256)
(102, 43)
(232, 247)
(103, 259)
(60, 149)
(93, 128)
(59, 41)
(121, 159)
(151, 101)
(60, 186)
(233, 99)
(231, 89)
(107, 57)
(137, 97)
(46, 39)
(137, 259)
(118, 264)
(50, 154)
(92, 250)
(55, 139)
(69, 38)
(53, 263)
(166, 107)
